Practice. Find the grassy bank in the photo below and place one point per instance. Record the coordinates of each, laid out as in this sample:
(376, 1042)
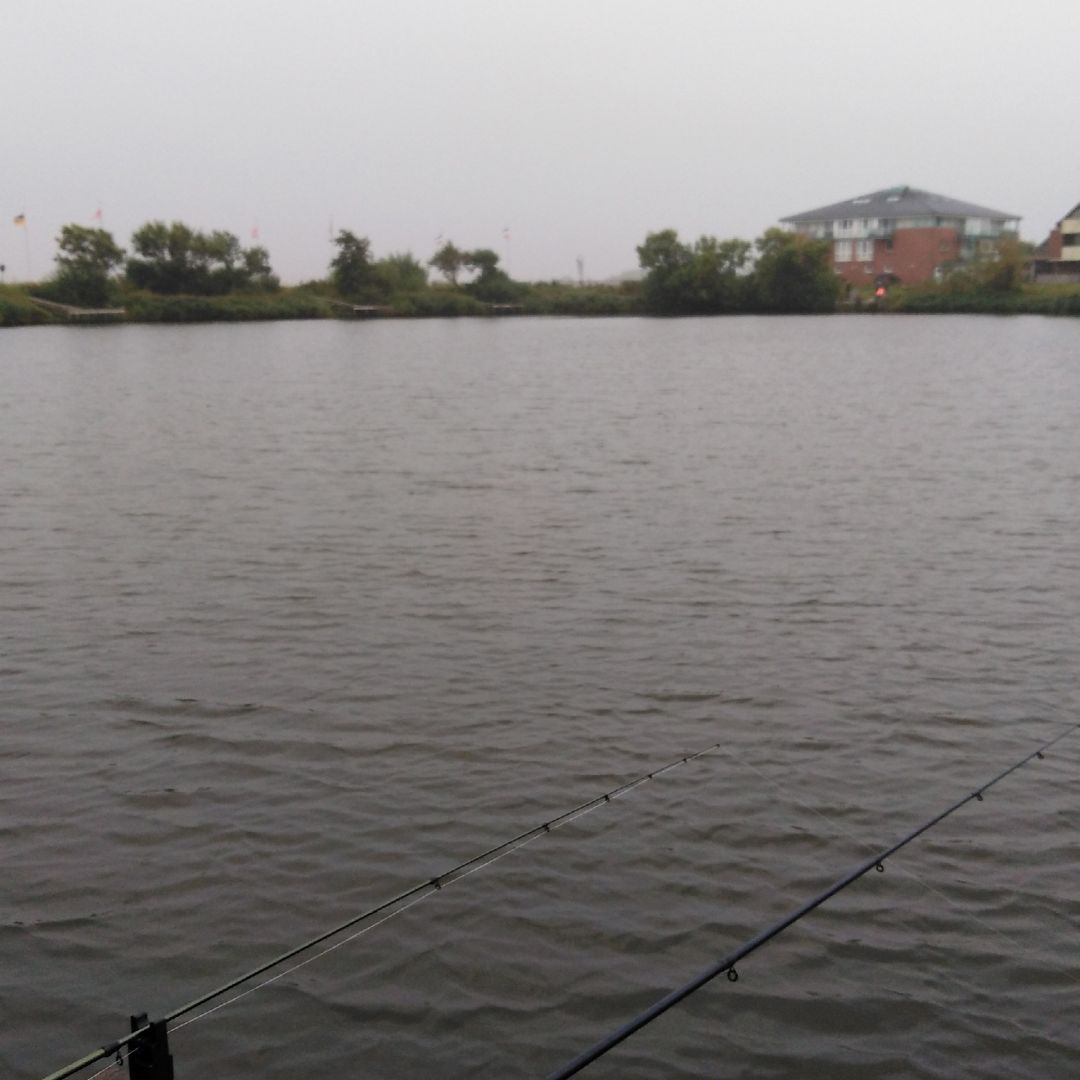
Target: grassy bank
(148, 307)
(942, 299)
(317, 301)
(556, 298)
(17, 309)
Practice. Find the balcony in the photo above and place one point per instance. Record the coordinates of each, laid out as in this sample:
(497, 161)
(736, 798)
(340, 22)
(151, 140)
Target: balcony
(882, 231)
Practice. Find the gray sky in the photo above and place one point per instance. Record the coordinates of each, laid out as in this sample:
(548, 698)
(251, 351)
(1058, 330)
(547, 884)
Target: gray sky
(580, 125)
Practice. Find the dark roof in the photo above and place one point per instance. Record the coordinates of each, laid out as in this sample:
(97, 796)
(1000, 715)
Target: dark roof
(898, 202)
(1073, 213)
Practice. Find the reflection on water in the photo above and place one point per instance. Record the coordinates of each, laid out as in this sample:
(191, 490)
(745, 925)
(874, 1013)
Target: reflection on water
(294, 616)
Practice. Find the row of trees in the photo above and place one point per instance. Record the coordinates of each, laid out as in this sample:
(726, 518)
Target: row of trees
(175, 259)
(357, 275)
(168, 259)
(779, 272)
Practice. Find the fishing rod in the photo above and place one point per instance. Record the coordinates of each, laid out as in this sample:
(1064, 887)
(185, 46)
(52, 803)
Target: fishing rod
(144, 1035)
(727, 963)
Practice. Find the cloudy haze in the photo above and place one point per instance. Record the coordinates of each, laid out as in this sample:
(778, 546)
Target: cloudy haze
(580, 126)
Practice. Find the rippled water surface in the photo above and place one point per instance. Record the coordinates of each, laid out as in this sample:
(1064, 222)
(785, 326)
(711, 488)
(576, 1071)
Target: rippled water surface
(293, 616)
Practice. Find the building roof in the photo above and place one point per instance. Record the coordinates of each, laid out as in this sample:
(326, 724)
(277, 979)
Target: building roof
(898, 202)
(1073, 213)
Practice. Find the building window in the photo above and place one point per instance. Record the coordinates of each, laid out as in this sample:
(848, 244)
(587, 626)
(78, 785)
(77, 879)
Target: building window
(842, 251)
(864, 251)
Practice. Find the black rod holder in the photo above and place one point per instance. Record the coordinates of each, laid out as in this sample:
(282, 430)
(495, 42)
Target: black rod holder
(148, 1052)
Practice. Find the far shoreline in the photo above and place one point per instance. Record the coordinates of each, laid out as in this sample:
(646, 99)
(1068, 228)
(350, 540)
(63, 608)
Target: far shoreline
(21, 306)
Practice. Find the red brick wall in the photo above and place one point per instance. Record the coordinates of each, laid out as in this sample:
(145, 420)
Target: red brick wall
(915, 254)
(1053, 243)
(918, 252)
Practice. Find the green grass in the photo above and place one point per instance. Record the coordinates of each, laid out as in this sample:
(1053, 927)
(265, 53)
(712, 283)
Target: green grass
(555, 298)
(17, 309)
(1028, 300)
(313, 301)
(236, 307)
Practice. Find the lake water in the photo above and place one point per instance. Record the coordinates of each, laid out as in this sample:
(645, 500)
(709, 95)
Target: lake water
(294, 616)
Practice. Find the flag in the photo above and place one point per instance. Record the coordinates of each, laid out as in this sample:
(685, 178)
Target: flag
(20, 219)
(254, 232)
(506, 233)
(98, 215)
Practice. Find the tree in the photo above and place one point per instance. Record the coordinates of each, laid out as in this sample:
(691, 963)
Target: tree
(666, 261)
(793, 273)
(663, 251)
(351, 269)
(164, 260)
(483, 260)
(491, 283)
(999, 272)
(717, 282)
(257, 272)
(704, 279)
(449, 261)
(178, 259)
(218, 256)
(86, 258)
(399, 273)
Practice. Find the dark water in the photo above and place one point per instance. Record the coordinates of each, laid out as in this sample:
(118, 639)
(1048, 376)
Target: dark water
(293, 616)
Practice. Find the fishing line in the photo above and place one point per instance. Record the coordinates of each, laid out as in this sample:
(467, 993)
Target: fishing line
(405, 907)
(303, 963)
(727, 963)
(113, 1066)
(440, 881)
(415, 893)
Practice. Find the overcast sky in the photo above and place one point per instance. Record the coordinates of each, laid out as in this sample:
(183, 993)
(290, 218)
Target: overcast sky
(579, 125)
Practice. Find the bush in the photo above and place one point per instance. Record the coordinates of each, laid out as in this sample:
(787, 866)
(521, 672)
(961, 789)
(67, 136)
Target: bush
(150, 307)
(946, 298)
(553, 298)
(439, 302)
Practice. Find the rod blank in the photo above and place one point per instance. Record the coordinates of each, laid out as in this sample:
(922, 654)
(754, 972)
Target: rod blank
(431, 884)
(727, 963)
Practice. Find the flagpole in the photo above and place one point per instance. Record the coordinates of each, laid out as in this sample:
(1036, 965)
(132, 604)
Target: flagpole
(20, 222)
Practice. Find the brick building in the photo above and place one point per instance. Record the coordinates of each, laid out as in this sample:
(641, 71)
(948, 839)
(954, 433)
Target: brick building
(1057, 258)
(904, 233)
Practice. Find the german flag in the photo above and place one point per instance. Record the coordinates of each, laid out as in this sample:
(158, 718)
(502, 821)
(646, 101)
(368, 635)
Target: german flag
(20, 219)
